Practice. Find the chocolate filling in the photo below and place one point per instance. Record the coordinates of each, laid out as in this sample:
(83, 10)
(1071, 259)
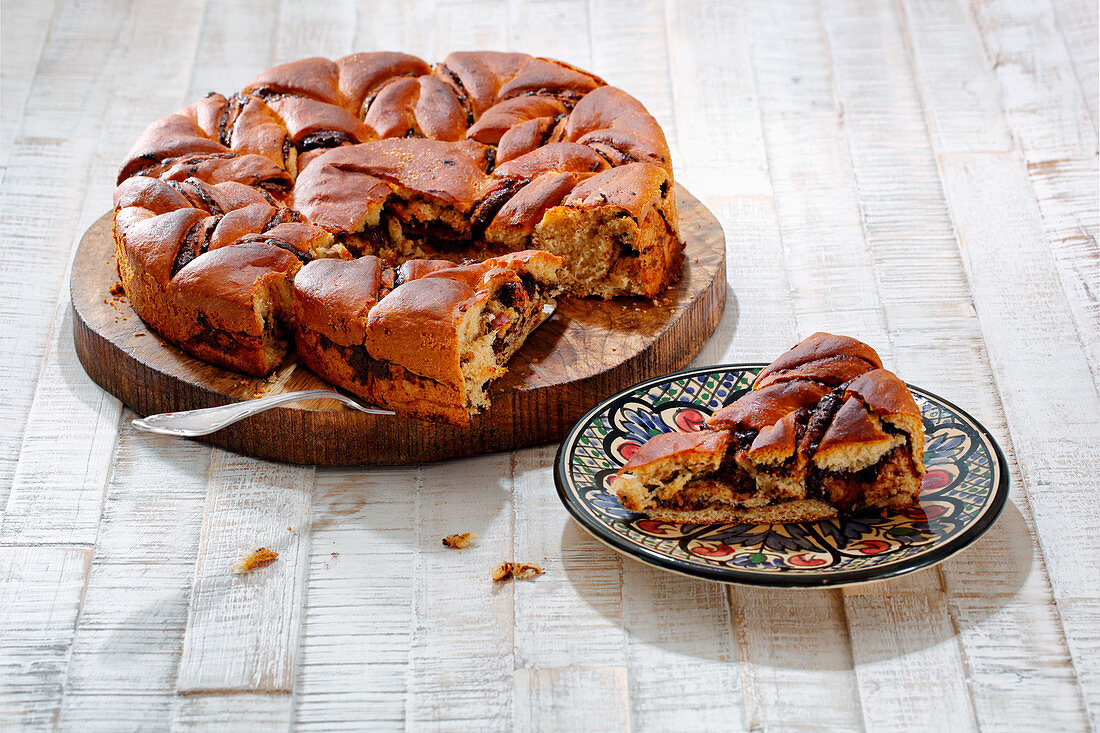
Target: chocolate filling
(324, 139)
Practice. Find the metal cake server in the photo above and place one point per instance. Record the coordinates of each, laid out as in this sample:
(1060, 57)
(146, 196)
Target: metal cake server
(192, 423)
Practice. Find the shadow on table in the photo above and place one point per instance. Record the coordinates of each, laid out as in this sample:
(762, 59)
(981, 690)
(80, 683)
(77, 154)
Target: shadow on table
(823, 629)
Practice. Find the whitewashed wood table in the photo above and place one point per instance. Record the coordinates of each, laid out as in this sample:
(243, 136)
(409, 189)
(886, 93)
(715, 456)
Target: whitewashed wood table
(921, 174)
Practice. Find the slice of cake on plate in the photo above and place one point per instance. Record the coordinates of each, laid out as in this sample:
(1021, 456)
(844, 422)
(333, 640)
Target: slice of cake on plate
(824, 430)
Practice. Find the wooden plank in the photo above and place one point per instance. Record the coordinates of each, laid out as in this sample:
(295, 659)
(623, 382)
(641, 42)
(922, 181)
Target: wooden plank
(40, 592)
(575, 610)
(1018, 664)
(242, 629)
(1048, 114)
(781, 688)
(718, 131)
(997, 222)
(28, 22)
(528, 21)
(830, 271)
(1082, 620)
(960, 95)
(406, 27)
(57, 490)
(72, 466)
(796, 660)
(846, 240)
(1077, 20)
(358, 624)
(234, 46)
(461, 665)
(884, 631)
(682, 651)
(1054, 429)
(566, 698)
(127, 645)
(313, 29)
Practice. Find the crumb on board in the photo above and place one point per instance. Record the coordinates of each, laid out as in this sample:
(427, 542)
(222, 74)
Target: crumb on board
(517, 570)
(256, 559)
(459, 541)
(117, 289)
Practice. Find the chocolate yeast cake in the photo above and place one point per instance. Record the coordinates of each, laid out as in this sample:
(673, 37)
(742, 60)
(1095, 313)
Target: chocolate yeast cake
(825, 429)
(220, 205)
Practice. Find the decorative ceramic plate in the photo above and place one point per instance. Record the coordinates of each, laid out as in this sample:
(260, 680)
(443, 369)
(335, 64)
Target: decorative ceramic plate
(964, 489)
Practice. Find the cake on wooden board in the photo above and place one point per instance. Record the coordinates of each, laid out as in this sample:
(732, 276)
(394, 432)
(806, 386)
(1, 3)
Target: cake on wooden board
(824, 430)
(220, 205)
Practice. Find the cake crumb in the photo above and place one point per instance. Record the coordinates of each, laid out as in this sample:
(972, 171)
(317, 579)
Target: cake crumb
(459, 541)
(117, 290)
(517, 570)
(257, 559)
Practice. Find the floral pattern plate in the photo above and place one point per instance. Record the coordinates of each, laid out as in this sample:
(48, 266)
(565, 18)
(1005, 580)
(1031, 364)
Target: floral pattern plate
(965, 487)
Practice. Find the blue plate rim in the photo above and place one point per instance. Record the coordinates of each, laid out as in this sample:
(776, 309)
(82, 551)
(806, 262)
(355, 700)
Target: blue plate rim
(777, 580)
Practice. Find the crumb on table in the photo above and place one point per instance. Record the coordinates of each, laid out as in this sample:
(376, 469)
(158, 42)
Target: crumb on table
(517, 570)
(459, 541)
(117, 289)
(256, 559)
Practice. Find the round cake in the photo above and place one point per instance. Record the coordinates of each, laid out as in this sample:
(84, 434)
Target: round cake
(343, 170)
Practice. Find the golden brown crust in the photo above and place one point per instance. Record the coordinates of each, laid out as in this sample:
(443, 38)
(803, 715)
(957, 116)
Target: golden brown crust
(485, 153)
(761, 408)
(333, 297)
(819, 347)
(407, 337)
(676, 445)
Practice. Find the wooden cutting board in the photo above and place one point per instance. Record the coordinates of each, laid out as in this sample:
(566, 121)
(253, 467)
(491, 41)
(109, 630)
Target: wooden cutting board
(588, 350)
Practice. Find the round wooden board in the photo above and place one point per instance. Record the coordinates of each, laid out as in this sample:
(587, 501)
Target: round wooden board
(588, 350)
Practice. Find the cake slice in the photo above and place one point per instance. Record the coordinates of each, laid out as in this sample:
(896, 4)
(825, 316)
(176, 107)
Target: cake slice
(425, 338)
(824, 430)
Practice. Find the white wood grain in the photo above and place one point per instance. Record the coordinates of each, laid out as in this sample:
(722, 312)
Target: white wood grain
(927, 303)
(40, 593)
(57, 490)
(681, 653)
(718, 134)
(242, 629)
(796, 660)
(19, 60)
(777, 692)
(1028, 282)
(564, 699)
(1053, 429)
(1028, 331)
(1082, 619)
(1077, 20)
(461, 664)
(960, 95)
(249, 711)
(887, 635)
(128, 639)
(234, 46)
(572, 615)
(358, 622)
(1047, 112)
(630, 50)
